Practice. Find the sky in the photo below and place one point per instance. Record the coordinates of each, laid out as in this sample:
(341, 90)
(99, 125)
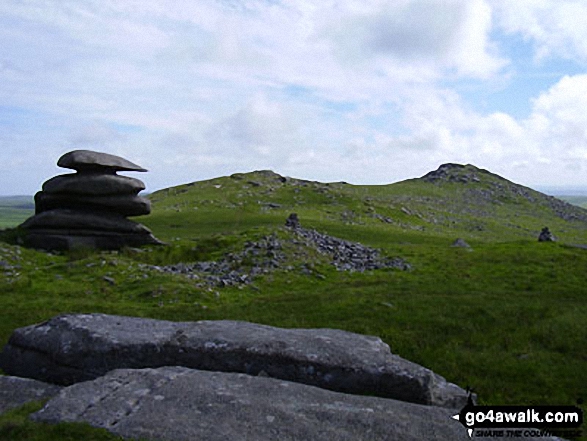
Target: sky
(362, 91)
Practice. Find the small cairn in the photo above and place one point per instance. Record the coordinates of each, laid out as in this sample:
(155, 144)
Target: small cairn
(292, 221)
(89, 208)
(546, 236)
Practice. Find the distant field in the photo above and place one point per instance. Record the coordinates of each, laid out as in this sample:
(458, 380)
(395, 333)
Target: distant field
(580, 201)
(15, 209)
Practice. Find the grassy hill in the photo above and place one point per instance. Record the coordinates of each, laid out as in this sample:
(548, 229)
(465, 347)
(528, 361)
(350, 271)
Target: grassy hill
(506, 316)
(580, 201)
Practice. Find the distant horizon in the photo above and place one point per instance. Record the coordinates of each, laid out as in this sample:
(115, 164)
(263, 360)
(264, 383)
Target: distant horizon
(551, 190)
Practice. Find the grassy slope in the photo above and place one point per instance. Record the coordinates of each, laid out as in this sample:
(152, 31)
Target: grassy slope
(506, 318)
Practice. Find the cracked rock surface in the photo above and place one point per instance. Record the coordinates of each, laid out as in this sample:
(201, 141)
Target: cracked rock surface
(181, 404)
(79, 347)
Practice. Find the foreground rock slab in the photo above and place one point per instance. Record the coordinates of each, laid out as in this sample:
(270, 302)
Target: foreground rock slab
(73, 348)
(14, 391)
(181, 404)
(174, 403)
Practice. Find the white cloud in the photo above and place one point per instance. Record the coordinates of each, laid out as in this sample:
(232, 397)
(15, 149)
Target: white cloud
(432, 36)
(556, 28)
(333, 90)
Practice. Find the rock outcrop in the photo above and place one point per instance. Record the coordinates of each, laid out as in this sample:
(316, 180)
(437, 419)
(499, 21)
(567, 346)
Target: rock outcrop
(89, 208)
(180, 404)
(72, 348)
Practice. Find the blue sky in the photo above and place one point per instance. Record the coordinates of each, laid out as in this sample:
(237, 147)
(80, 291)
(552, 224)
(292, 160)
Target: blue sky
(368, 92)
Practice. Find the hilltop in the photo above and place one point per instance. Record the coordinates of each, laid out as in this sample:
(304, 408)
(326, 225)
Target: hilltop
(454, 200)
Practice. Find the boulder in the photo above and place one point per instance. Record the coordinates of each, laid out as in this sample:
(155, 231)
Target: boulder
(181, 404)
(460, 243)
(94, 184)
(15, 391)
(87, 160)
(79, 347)
(126, 205)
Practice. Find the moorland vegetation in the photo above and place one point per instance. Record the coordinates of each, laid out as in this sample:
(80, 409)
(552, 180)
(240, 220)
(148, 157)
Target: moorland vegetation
(505, 316)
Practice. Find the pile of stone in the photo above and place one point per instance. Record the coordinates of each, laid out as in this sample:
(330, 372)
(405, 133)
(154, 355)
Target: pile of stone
(268, 254)
(546, 236)
(256, 258)
(345, 255)
(153, 379)
(89, 208)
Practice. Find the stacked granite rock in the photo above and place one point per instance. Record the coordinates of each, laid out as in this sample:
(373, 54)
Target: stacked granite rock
(89, 208)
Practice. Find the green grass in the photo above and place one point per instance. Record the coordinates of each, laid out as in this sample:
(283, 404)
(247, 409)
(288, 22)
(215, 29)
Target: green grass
(507, 318)
(15, 425)
(14, 210)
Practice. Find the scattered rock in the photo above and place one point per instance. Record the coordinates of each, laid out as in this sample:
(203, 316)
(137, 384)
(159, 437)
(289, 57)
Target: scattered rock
(79, 347)
(89, 208)
(180, 404)
(546, 236)
(257, 257)
(109, 280)
(15, 391)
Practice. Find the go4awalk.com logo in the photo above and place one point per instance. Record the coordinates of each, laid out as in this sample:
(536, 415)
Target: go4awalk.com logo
(521, 421)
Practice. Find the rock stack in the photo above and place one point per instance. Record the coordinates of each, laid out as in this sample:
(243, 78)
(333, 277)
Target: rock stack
(89, 208)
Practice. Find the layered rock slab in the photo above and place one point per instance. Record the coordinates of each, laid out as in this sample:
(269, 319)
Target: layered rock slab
(95, 184)
(89, 160)
(15, 391)
(125, 205)
(73, 348)
(181, 404)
